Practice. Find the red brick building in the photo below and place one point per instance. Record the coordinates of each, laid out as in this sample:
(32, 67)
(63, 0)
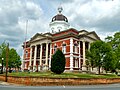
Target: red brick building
(73, 43)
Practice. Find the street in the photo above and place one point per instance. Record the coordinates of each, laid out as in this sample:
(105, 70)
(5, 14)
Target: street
(82, 87)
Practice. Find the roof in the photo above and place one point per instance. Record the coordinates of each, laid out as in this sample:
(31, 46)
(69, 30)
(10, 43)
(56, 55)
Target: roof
(71, 32)
(59, 17)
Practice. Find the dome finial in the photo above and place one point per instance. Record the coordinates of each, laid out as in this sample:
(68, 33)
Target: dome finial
(60, 9)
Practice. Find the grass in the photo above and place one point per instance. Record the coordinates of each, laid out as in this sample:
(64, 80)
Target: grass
(63, 75)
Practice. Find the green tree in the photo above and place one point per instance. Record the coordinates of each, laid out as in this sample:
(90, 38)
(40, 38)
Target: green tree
(115, 43)
(117, 53)
(109, 62)
(14, 59)
(90, 58)
(58, 62)
(3, 47)
(97, 53)
(114, 40)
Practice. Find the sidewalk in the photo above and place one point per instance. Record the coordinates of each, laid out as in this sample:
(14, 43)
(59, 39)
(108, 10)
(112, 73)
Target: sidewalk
(8, 84)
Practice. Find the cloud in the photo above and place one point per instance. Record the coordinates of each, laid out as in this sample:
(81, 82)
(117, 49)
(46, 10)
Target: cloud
(13, 16)
(104, 15)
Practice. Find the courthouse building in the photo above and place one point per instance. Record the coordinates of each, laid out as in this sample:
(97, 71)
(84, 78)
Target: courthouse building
(73, 43)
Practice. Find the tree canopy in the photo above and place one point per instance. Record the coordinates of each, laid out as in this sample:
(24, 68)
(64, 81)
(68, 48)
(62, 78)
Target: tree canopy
(114, 40)
(14, 59)
(115, 43)
(100, 55)
(105, 54)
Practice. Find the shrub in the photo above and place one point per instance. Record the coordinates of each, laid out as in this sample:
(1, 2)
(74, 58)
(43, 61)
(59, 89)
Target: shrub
(58, 62)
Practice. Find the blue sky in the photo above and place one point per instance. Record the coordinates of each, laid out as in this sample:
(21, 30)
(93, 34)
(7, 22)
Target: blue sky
(101, 16)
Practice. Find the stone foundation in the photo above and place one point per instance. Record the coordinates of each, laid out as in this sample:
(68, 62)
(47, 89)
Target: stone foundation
(40, 81)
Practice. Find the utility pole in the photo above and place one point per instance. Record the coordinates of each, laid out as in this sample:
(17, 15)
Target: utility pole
(2, 66)
(7, 57)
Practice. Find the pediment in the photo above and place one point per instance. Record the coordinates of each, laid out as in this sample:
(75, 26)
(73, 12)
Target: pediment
(87, 39)
(37, 37)
(83, 32)
(93, 35)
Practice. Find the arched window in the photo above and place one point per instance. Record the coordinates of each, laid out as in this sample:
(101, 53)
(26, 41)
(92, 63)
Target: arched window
(59, 28)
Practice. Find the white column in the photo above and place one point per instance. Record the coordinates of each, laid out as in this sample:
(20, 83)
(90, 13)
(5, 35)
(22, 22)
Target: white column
(71, 54)
(41, 54)
(79, 55)
(90, 68)
(46, 55)
(35, 54)
(30, 62)
(83, 52)
(23, 64)
(50, 55)
(84, 65)
(89, 46)
(40, 62)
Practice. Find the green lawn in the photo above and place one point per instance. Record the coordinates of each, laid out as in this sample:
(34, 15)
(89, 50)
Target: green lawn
(63, 75)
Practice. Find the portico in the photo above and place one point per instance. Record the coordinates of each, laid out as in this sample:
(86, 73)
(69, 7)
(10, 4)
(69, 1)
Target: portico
(39, 53)
(39, 57)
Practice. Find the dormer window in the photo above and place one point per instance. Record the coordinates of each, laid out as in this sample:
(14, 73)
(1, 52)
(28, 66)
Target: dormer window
(59, 28)
(52, 30)
(53, 19)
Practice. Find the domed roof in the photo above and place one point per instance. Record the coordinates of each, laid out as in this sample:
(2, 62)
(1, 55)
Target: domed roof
(59, 16)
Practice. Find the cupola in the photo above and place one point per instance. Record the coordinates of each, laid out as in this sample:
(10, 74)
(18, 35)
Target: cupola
(59, 22)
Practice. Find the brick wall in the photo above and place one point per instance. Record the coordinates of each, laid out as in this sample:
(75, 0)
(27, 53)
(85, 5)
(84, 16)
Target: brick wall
(40, 81)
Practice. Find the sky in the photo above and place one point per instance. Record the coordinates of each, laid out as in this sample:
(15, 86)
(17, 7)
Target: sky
(101, 16)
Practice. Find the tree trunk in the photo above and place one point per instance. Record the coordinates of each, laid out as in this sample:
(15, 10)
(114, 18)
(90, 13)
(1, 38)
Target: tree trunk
(92, 68)
(99, 70)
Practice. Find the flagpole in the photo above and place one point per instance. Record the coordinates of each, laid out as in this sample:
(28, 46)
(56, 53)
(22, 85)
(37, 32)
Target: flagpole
(26, 33)
(25, 44)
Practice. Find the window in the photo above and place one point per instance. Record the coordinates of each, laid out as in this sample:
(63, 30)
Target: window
(64, 47)
(52, 30)
(55, 48)
(76, 49)
(76, 62)
(25, 65)
(26, 53)
(59, 28)
(54, 18)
